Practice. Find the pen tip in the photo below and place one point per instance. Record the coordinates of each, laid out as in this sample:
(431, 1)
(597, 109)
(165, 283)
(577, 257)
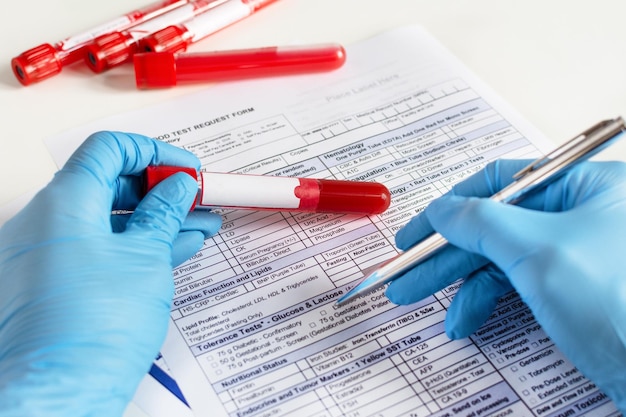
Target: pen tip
(355, 292)
(344, 299)
(368, 284)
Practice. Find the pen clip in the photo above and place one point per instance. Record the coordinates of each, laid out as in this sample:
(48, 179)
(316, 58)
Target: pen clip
(543, 160)
(567, 146)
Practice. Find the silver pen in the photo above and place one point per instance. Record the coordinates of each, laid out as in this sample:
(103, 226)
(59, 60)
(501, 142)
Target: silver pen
(538, 174)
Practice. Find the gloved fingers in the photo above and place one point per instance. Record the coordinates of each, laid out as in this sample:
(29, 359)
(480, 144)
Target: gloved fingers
(417, 229)
(186, 244)
(475, 301)
(491, 179)
(206, 222)
(587, 181)
(494, 177)
(127, 192)
(434, 274)
(161, 213)
(579, 184)
(198, 226)
(118, 222)
(92, 174)
(501, 233)
(106, 155)
(195, 229)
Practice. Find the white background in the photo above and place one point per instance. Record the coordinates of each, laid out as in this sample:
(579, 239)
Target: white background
(560, 63)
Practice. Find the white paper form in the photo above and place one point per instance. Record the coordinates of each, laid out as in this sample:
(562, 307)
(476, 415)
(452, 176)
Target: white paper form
(254, 327)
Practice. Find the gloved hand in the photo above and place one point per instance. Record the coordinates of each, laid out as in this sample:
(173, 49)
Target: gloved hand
(84, 298)
(562, 249)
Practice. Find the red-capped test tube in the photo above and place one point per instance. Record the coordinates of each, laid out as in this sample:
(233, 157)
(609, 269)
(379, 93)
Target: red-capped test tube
(176, 38)
(47, 60)
(259, 192)
(167, 69)
(115, 48)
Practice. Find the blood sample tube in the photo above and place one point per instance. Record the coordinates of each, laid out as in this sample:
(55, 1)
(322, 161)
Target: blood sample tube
(115, 48)
(176, 38)
(260, 192)
(167, 69)
(46, 60)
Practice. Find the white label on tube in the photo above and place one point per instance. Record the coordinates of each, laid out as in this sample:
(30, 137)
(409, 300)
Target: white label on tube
(175, 17)
(215, 19)
(233, 190)
(81, 39)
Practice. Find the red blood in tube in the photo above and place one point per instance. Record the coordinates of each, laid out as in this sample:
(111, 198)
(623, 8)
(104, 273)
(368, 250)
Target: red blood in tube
(340, 196)
(315, 195)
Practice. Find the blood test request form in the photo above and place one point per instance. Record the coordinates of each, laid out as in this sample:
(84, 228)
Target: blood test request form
(254, 326)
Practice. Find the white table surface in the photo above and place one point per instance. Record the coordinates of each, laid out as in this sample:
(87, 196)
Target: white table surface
(561, 63)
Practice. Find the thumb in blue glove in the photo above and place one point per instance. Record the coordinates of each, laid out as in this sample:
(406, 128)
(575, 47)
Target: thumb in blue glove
(86, 297)
(561, 250)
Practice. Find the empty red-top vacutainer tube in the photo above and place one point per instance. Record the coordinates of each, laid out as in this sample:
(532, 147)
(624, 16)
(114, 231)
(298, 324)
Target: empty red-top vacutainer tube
(117, 47)
(166, 69)
(266, 192)
(47, 60)
(176, 38)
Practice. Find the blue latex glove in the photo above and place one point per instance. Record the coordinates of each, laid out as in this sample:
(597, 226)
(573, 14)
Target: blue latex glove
(84, 298)
(561, 249)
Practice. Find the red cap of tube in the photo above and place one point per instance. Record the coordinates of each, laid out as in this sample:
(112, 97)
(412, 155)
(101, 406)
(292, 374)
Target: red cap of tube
(166, 69)
(36, 64)
(155, 174)
(170, 39)
(109, 50)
